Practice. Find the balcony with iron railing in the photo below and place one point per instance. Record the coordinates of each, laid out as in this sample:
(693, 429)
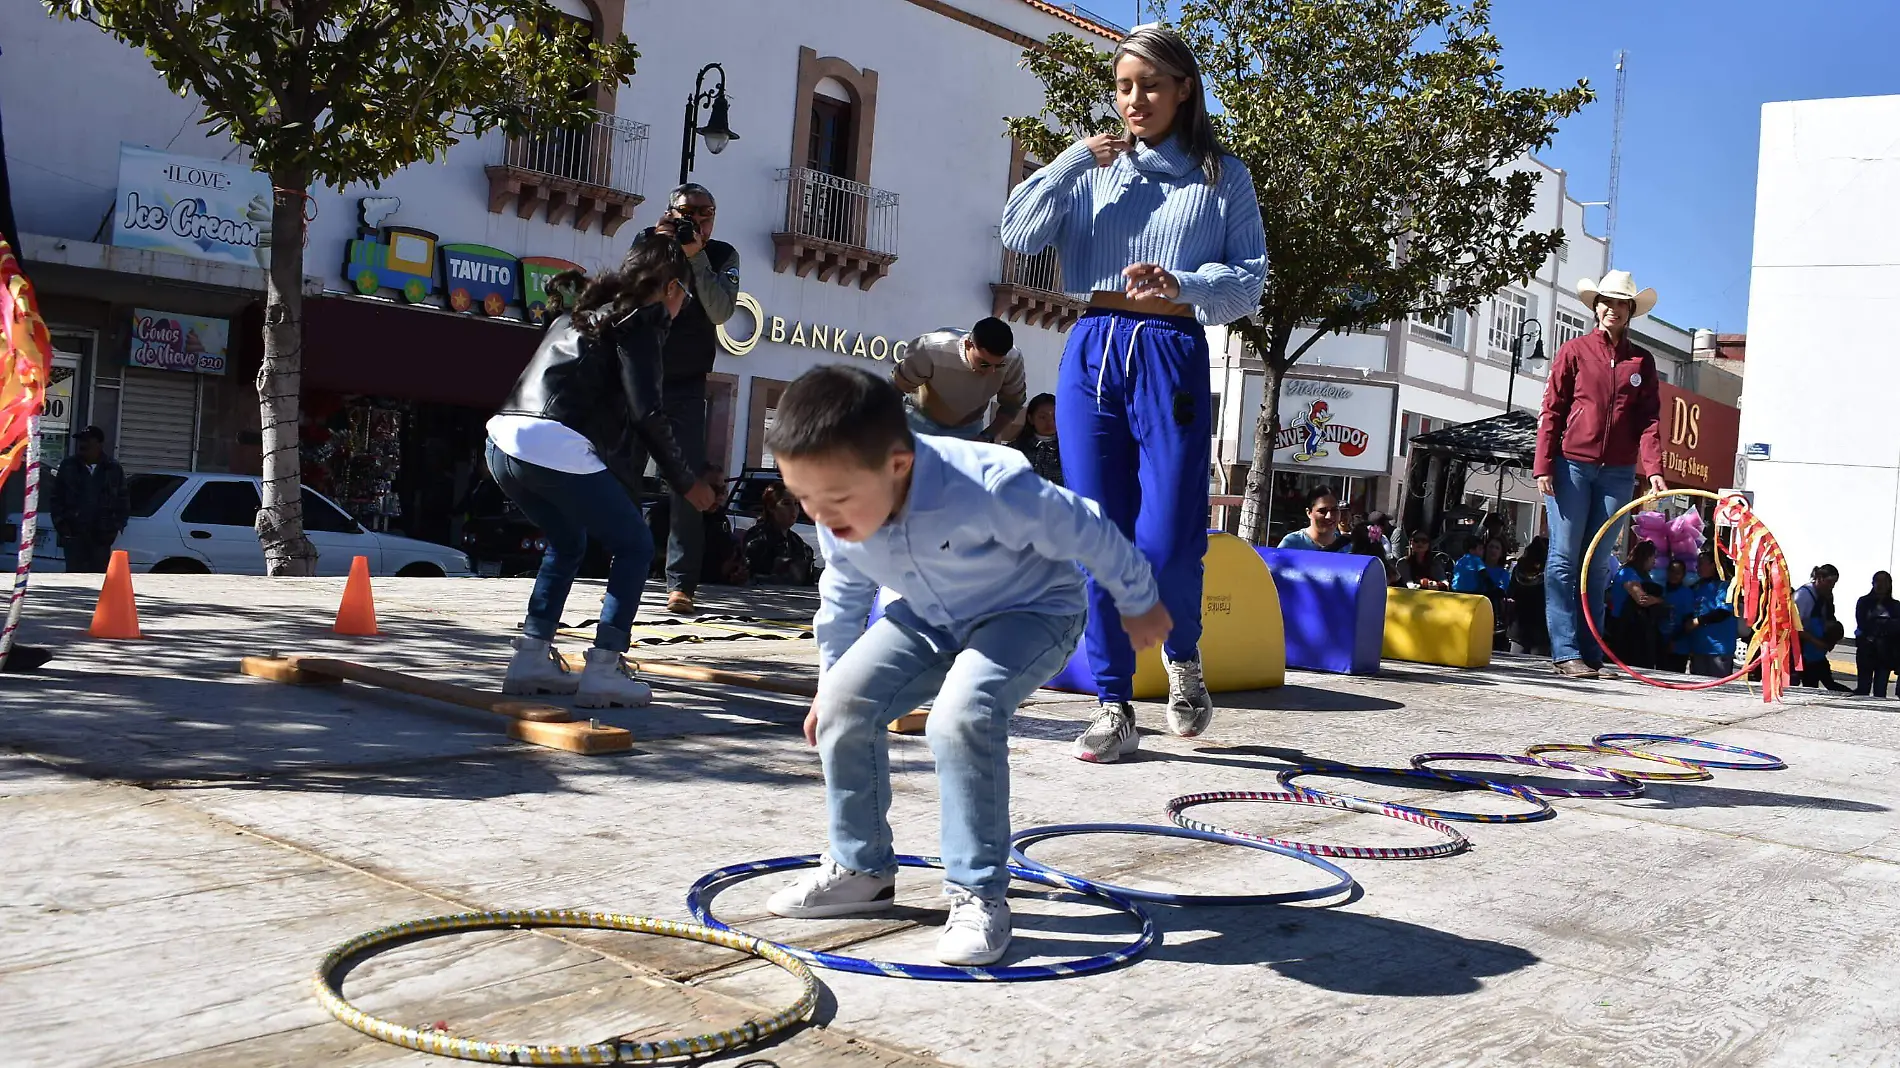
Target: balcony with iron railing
(581, 175)
(844, 230)
(1031, 291)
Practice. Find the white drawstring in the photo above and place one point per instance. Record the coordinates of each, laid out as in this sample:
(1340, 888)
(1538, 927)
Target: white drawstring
(1128, 359)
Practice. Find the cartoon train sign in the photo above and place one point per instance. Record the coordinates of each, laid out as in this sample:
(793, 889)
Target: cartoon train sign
(541, 302)
(477, 276)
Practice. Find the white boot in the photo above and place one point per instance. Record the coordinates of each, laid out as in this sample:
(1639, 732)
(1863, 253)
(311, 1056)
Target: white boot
(606, 683)
(537, 668)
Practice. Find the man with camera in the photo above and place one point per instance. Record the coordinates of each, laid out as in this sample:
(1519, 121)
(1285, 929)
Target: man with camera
(688, 358)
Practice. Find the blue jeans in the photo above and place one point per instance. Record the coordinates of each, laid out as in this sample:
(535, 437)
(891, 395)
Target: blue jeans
(923, 424)
(685, 405)
(1134, 418)
(569, 509)
(893, 669)
(1585, 496)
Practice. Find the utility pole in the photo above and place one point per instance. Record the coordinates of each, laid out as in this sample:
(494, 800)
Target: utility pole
(1616, 160)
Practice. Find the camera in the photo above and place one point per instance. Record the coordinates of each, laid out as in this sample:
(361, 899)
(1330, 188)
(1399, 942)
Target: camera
(681, 228)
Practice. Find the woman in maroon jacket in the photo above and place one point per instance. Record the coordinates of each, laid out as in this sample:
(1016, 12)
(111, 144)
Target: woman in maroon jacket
(1599, 429)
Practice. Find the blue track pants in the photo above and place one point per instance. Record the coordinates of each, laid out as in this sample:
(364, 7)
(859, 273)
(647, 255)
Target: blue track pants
(1133, 422)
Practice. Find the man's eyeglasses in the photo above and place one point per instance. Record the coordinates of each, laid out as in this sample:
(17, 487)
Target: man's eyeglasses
(696, 211)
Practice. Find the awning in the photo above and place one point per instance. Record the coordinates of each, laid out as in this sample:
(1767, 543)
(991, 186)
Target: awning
(417, 354)
(1510, 438)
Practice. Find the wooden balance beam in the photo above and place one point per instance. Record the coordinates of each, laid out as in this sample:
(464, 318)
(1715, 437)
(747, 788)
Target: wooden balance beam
(540, 724)
(912, 723)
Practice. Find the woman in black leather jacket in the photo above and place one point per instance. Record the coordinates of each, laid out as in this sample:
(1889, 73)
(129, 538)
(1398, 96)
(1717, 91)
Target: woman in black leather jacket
(569, 447)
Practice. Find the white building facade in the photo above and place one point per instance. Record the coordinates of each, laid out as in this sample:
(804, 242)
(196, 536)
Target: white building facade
(1820, 442)
(863, 193)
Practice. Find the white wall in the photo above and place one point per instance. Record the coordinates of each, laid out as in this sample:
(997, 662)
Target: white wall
(1823, 365)
(73, 95)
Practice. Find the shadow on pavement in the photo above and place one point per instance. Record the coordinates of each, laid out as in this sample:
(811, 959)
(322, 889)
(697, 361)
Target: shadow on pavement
(1668, 795)
(1348, 952)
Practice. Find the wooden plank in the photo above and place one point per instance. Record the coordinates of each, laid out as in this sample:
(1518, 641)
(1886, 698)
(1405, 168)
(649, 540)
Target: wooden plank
(467, 697)
(539, 724)
(912, 723)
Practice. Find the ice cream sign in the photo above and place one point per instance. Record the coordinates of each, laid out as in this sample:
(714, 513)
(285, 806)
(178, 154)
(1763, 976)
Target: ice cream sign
(169, 341)
(204, 208)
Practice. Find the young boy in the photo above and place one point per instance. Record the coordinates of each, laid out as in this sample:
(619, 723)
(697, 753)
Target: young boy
(984, 554)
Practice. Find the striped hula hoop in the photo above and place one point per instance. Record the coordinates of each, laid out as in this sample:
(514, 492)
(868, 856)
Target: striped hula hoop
(1763, 761)
(1692, 773)
(1022, 840)
(619, 1051)
(1541, 811)
(1455, 842)
(1630, 787)
(699, 902)
(29, 522)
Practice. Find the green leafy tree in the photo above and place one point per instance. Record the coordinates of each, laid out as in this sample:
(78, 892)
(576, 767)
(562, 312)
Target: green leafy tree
(1379, 134)
(333, 93)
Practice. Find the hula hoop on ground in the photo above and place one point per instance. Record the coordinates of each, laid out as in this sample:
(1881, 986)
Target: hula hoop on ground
(1693, 773)
(1768, 761)
(613, 1052)
(699, 897)
(1766, 601)
(1456, 841)
(1542, 811)
(1630, 787)
(1022, 840)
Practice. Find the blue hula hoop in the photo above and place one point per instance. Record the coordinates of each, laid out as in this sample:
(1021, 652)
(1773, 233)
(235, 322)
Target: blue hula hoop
(1543, 811)
(699, 898)
(1768, 761)
(1021, 840)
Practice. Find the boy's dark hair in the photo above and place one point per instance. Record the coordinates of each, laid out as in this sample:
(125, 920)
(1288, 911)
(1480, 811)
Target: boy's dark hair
(834, 409)
(1419, 534)
(1314, 497)
(1470, 542)
(993, 336)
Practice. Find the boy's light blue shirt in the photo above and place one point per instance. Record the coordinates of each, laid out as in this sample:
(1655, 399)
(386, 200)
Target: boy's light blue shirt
(980, 534)
(1152, 205)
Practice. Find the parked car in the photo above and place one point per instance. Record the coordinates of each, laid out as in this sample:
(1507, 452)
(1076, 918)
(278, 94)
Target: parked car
(47, 555)
(198, 522)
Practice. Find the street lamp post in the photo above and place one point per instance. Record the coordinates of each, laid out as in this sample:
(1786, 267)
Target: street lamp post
(1532, 334)
(716, 132)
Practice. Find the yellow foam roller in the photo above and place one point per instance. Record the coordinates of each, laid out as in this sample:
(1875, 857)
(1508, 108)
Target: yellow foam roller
(1243, 643)
(1438, 627)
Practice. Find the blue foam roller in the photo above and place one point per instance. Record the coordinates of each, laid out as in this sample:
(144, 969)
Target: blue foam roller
(1333, 609)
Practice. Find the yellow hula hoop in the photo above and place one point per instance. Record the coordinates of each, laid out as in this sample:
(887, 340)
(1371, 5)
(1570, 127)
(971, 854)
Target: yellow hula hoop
(1754, 540)
(617, 1051)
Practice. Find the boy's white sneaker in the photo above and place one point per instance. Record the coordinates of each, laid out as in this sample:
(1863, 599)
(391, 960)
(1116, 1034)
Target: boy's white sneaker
(537, 668)
(1190, 706)
(832, 889)
(1111, 734)
(977, 932)
(606, 683)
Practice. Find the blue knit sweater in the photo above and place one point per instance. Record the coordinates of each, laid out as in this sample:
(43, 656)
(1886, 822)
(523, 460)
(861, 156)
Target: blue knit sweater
(1152, 205)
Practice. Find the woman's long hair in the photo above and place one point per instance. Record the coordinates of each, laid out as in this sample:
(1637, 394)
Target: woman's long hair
(654, 260)
(1170, 54)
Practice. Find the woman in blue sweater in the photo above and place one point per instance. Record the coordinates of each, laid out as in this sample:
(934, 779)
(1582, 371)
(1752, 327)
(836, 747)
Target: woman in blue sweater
(1160, 226)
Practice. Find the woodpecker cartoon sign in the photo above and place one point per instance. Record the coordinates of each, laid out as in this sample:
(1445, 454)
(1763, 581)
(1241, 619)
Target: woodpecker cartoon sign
(1333, 425)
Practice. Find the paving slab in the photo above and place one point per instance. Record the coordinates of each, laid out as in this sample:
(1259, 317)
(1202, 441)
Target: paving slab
(165, 817)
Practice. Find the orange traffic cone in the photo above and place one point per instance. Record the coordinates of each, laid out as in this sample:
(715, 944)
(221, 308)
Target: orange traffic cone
(116, 615)
(357, 614)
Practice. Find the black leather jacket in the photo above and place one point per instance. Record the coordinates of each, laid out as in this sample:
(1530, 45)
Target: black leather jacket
(607, 388)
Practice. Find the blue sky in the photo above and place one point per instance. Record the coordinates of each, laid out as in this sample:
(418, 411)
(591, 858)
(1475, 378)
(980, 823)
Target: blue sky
(1699, 71)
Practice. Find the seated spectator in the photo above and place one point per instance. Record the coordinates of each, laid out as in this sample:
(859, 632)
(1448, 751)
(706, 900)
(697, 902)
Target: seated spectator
(773, 551)
(1038, 439)
(1422, 569)
(1322, 525)
(1709, 631)
(1637, 612)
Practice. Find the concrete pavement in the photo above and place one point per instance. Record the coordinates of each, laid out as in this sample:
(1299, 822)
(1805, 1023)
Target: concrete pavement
(182, 844)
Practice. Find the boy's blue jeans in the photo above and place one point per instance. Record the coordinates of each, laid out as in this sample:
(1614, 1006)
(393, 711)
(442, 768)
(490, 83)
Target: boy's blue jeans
(898, 665)
(1585, 496)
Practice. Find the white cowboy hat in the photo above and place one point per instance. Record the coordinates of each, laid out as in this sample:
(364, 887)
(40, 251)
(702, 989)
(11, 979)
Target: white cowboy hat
(1617, 284)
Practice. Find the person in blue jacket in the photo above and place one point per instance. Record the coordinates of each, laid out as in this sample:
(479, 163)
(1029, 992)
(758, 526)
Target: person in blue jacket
(1160, 225)
(1707, 633)
(1679, 597)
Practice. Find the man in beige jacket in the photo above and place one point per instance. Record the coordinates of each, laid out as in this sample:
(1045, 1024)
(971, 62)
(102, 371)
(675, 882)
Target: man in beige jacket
(950, 377)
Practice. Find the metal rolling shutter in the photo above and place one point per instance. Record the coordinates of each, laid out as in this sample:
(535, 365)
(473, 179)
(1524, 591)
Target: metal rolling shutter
(157, 420)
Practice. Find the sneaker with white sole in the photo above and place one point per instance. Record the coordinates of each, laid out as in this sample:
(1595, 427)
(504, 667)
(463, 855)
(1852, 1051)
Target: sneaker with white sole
(606, 683)
(1190, 706)
(831, 889)
(537, 668)
(1111, 734)
(977, 932)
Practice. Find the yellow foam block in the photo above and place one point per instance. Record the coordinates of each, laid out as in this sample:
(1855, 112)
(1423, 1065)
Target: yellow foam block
(1438, 627)
(1243, 643)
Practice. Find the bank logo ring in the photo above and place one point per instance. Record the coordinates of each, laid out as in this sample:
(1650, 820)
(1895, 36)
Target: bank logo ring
(741, 347)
